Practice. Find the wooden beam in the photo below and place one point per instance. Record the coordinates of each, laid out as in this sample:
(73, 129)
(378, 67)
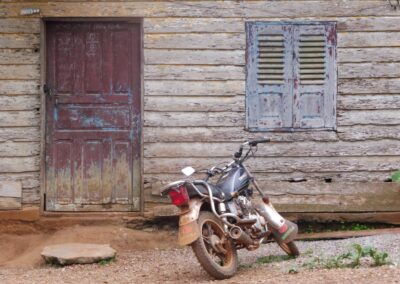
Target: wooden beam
(347, 234)
(370, 217)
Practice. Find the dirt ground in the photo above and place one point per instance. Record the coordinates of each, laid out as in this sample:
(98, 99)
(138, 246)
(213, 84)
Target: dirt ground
(154, 257)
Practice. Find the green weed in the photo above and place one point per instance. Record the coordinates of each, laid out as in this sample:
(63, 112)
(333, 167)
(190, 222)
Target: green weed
(350, 259)
(396, 177)
(273, 258)
(106, 261)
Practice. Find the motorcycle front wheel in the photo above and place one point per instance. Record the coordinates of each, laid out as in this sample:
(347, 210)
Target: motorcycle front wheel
(290, 248)
(216, 253)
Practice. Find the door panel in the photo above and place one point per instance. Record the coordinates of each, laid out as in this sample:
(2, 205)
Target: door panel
(93, 111)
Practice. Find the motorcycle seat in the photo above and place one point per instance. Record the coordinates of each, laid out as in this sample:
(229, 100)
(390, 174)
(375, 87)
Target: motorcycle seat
(216, 191)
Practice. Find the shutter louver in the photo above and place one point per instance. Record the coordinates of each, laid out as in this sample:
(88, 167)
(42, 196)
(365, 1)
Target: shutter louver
(312, 59)
(315, 74)
(271, 65)
(291, 75)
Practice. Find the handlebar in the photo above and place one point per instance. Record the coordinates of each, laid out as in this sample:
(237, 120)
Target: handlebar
(257, 141)
(239, 153)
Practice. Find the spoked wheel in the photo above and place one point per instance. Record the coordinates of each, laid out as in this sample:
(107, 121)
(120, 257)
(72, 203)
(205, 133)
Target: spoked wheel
(290, 248)
(215, 252)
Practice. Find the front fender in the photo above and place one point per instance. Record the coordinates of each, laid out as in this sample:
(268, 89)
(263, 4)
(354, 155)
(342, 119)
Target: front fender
(188, 227)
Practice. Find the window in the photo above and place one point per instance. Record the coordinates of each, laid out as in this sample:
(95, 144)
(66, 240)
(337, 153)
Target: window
(291, 76)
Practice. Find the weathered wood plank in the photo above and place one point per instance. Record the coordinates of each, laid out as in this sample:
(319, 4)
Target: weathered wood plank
(19, 56)
(368, 24)
(153, 181)
(236, 57)
(326, 197)
(214, 9)
(368, 55)
(193, 25)
(19, 41)
(190, 72)
(13, 72)
(19, 118)
(334, 197)
(19, 149)
(20, 25)
(18, 87)
(293, 9)
(299, 149)
(282, 164)
(10, 203)
(369, 70)
(226, 41)
(205, 57)
(193, 119)
(31, 195)
(369, 39)
(366, 102)
(189, 88)
(10, 189)
(368, 86)
(365, 132)
(29, 134)
(236, 41)
(19, 164)
(374, 217)
(363, 117)
(28, 180)
(20, 102)
(189, 104)
(226, 134)
(236, 25)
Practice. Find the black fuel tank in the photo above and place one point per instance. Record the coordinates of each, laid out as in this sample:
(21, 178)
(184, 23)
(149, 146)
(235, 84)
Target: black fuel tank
(233, 181)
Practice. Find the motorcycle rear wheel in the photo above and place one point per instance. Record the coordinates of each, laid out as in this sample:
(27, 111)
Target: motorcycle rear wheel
(216, 254)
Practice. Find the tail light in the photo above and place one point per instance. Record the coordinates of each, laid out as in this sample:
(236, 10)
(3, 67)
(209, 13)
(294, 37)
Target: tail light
(179, 196)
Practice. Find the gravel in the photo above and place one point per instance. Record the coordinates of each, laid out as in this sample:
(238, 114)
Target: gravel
(180, 266)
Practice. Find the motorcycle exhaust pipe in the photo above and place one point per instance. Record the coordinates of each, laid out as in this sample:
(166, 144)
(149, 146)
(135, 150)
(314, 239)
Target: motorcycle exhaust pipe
(283, 230)
(240, 236)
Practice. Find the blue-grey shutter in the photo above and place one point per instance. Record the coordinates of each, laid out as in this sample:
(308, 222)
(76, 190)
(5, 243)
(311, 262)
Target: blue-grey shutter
(269, 76)
(314, 88)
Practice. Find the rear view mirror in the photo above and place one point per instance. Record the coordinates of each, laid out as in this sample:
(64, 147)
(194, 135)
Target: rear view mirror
(188, 171)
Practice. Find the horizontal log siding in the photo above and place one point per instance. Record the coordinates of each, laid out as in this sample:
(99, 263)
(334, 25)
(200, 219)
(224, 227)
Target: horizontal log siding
(194, 79)
(20, 104)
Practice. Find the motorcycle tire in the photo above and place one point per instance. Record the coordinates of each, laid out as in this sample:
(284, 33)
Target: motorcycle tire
(211, 228)
(290, 248)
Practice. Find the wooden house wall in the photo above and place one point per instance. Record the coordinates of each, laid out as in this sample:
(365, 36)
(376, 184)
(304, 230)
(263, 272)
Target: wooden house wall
(194, 81)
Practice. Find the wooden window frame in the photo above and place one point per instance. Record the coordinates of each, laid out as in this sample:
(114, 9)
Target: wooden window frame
(290, 116)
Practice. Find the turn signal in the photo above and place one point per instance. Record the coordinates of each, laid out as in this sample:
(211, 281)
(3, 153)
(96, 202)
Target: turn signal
(179, 196)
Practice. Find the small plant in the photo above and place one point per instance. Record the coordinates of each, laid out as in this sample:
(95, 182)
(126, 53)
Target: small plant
(308, 252)
(273, 258)
(245, 265)
(313, 263)
(396, 177)
(350, 259)
(106, 261)
(293, 270)
(359, 227)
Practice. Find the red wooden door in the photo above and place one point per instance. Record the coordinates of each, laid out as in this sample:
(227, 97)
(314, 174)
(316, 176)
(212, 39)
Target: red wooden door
(93, 121)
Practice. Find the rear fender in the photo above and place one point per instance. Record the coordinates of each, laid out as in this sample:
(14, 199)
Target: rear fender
(188, 227)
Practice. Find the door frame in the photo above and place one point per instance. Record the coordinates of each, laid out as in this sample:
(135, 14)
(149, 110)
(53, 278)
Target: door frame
(43, 110)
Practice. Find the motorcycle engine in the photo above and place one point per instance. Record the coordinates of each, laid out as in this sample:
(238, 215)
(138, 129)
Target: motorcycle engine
(248, 212)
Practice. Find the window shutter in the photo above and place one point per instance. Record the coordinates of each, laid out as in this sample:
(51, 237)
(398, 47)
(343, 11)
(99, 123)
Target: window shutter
(314, 92)
(269, 76)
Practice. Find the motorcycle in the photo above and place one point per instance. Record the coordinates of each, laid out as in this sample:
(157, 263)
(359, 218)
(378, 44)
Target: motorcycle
(218, 215)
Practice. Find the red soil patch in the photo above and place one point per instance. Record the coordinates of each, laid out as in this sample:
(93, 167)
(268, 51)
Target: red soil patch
(22, 243)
